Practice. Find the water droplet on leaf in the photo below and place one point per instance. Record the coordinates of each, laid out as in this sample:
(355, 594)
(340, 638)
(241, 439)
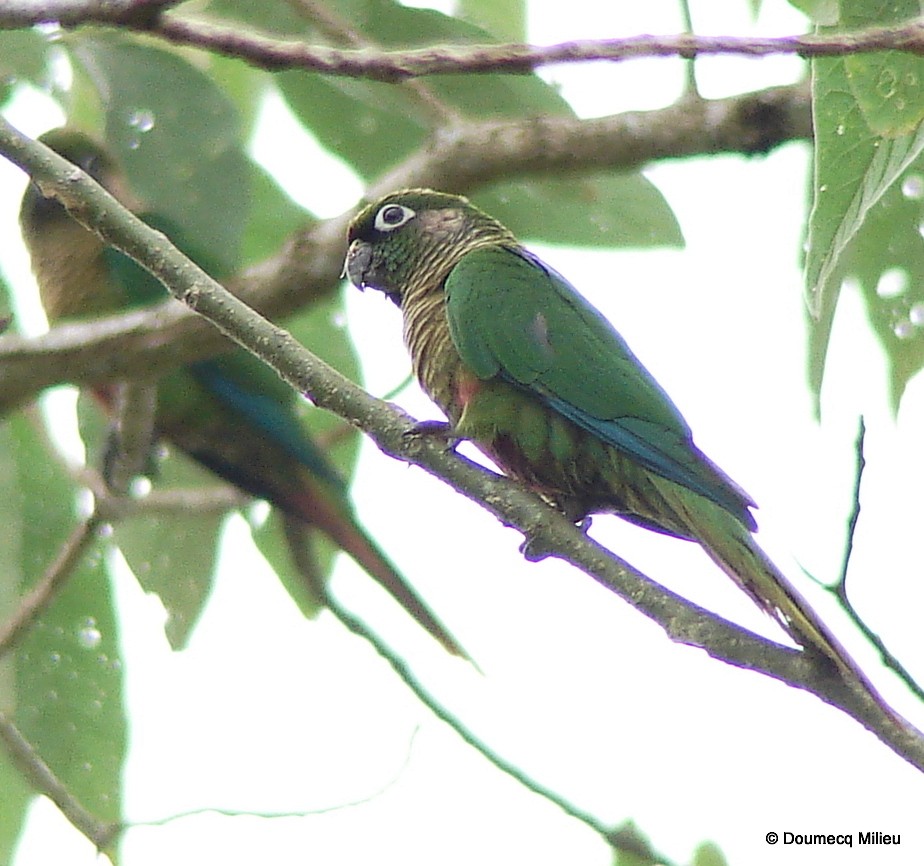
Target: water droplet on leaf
(892, 283)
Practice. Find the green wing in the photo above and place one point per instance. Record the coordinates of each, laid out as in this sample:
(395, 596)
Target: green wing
(512, 316)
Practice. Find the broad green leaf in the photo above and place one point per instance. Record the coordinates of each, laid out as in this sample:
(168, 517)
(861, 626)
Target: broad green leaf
(888, 85)
(273, 217)
(886, 258)
(373, 125)
(854, 169)
(17, 796)
(177, 136)
(68, 680)
(16, 792)
(505, 20)
(622, 210)
(173, 554)
(23, 57)
(822, 12)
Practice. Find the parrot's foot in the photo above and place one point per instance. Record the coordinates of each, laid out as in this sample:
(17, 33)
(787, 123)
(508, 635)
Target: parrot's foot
(440, 430)
(534, 550)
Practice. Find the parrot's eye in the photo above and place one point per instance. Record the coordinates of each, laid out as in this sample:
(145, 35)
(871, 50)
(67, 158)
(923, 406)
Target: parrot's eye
(392, 216)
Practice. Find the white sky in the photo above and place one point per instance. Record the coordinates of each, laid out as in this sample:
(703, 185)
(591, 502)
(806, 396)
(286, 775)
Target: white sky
(269, 713)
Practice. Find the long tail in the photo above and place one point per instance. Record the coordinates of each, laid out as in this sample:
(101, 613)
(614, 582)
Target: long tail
(732, 547)
(343, 530)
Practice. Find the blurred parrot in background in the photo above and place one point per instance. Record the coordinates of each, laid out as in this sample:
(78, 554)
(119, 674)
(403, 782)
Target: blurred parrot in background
(232, 414)
(538, 379)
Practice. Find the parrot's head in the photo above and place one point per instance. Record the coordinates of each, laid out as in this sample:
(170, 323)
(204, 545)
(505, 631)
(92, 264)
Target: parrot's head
(414, 237)
(38, 210)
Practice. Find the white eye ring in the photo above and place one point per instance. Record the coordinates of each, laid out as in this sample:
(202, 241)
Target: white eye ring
(392, 216)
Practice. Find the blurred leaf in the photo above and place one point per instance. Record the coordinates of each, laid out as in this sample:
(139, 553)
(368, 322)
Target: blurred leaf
(708, 854)
(631, 847)
(273, 217)
(273, 543)
(823, 12)
(243, 86)
(888, 85)
(505, 20)
(23, 57)
(622, 210)
(68, 683)
(16, 793)
(887, 259)
(368, 124)
(171, 554)
(373, 125)
(17, 796)
(854, 169)
(176, 134)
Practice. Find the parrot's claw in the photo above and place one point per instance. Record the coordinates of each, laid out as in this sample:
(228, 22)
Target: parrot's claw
(534, 550)
(441, 430)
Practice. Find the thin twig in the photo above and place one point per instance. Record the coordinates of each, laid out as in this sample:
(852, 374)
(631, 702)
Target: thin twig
(45, 590)
(406, 675)
(839, 588)
(101, 833)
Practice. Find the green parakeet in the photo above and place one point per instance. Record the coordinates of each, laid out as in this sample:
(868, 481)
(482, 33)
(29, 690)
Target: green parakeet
(538, 379)
(231, 414)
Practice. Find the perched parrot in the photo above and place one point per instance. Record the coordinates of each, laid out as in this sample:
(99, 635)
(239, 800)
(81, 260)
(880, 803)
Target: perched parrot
(232, 414)
(538, 379)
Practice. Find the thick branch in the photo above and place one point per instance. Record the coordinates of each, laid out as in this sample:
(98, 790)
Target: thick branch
(389, 428)
(308, 265)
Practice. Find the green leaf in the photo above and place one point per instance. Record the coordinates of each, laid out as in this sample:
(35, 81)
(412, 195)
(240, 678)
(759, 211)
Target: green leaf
(708, 854)
(67, 693)
(17, 796)
(177, 136)
(171, 554)
(23, 57)
(273, 217)
(823, 12)
(854, 169)
(886, 258)
(608, 210)
(372, 125)
(505, 20)
(632, 847)
(273, 543)
(888, 85)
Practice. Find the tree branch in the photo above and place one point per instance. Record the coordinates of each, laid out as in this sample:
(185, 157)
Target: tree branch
(70, 13)
(308, 265)
(101, 833)
(512, 504)
(270, 53)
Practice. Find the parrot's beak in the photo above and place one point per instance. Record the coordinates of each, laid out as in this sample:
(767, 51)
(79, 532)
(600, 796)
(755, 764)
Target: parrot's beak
(357, 263)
